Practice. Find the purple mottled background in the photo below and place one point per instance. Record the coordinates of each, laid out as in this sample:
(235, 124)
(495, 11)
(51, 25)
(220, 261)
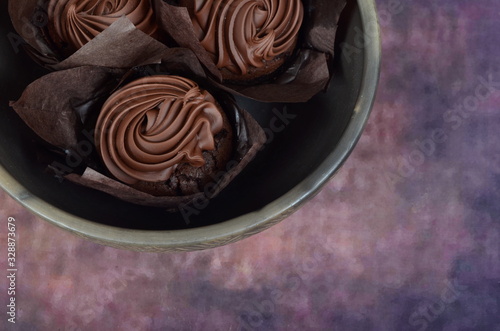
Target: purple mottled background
(405, 237)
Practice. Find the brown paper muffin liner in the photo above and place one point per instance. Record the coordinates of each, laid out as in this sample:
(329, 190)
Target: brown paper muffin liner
(121, 45)
(59, 108)
(305, 77)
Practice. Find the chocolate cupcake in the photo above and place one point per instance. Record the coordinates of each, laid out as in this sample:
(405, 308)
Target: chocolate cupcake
(73, 23)
(247, 39)
(164, 135)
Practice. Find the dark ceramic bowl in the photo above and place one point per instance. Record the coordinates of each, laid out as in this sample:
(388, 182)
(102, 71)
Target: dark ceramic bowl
(305, 149)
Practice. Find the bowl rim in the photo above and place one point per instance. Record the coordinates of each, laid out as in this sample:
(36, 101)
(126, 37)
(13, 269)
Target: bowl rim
(245, 225)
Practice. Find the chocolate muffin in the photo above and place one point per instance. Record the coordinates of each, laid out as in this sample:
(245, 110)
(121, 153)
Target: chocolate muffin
(247, 39)
(164, 135)
(73, 23)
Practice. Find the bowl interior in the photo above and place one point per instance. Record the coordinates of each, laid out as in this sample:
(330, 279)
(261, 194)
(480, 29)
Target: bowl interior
(301, 137)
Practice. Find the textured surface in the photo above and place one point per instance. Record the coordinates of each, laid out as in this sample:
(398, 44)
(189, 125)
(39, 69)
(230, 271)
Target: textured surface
(406, 237)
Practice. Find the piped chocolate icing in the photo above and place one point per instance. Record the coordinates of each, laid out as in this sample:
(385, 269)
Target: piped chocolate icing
(76, 22)
(245, 34)
(153, 124)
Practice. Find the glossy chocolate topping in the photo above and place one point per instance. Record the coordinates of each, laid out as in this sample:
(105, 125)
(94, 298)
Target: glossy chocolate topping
(155, 123)
(79, 21)
(247, 33)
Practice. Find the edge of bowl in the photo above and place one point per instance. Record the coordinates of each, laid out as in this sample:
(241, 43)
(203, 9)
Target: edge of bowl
(243, 226)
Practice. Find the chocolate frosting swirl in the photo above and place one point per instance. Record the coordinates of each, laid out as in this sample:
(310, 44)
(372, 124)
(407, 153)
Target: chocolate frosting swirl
(247, 33)
(79, 21)
(155, 123)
